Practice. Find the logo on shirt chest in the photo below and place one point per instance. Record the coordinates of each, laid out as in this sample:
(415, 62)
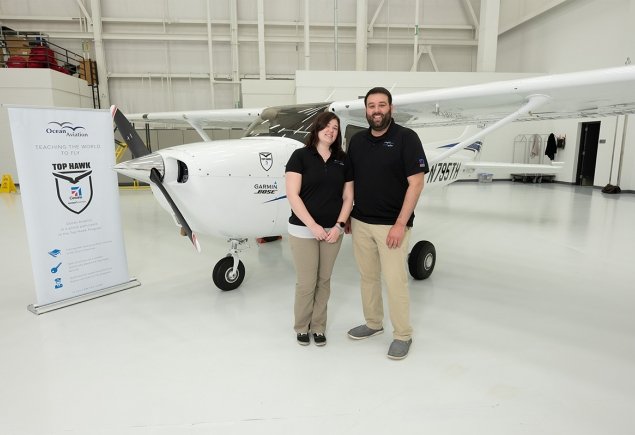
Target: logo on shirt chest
(388, 144)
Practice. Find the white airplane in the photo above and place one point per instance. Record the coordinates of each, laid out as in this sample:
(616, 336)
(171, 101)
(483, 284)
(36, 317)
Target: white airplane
(235, 188)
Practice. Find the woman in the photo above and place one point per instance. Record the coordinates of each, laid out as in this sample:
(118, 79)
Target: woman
(320, 191)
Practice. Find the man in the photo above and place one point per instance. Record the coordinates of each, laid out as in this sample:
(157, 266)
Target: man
(389, 164)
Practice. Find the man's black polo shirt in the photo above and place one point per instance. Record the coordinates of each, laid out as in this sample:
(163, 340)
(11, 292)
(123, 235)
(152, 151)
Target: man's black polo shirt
(381, 166)
(322, 184)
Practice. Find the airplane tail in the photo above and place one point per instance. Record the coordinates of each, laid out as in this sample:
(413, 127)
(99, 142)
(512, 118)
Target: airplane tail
(469, 132)
(129, 134)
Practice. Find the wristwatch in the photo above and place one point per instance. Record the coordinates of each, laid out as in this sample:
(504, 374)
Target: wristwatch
(341, 226)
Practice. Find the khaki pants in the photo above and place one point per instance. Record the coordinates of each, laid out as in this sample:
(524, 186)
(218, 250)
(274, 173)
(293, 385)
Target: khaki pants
(375, 259)
(314, 262)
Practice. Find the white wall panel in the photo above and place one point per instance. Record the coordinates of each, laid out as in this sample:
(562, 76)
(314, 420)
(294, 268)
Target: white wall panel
(577, 35)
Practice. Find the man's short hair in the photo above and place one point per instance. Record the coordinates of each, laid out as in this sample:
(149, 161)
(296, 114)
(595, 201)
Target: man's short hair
(379, 90)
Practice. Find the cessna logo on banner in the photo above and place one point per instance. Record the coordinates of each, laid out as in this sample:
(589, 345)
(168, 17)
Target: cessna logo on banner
(74, 189)
(266, 161)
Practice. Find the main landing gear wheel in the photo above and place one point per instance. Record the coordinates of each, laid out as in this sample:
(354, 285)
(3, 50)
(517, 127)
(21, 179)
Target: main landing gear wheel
(422, 259)
(223, 276)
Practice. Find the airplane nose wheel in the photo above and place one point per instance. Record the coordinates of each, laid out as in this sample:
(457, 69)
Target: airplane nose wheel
(229, 272)
(224, 275)
(422, 259)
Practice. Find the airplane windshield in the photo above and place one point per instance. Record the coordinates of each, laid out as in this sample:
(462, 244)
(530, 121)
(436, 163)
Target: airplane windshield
(286, 121)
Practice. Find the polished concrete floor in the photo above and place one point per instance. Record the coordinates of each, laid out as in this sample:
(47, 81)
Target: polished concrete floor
(527, 326)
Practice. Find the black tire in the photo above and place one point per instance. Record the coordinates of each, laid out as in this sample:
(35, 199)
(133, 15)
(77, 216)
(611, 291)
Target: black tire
(422, 259)
(221, 277)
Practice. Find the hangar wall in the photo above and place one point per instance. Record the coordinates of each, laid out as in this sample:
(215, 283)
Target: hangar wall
(573, 36)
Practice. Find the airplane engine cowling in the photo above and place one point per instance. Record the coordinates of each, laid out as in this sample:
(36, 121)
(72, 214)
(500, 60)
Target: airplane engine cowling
(241, 183)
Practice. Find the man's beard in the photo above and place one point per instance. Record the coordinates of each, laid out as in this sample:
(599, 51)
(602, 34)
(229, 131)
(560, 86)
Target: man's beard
(382, 124)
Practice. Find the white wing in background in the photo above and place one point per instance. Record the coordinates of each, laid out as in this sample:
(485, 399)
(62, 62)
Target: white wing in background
(202, 119)
(583, 94)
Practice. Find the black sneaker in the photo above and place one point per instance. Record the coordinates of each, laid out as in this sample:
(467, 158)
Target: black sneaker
(303, 338)
(319, 339)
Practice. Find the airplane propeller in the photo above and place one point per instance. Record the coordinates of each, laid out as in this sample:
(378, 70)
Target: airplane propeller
(129, 134)
(138, 149)
(155, 177)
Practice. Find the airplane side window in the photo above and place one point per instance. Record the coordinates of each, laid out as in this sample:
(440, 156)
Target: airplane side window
(348, 134)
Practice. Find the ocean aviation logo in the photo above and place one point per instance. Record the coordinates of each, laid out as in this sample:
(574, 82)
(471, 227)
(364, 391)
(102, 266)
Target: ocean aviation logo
(66, 128)
(74, 185)
(266, 161)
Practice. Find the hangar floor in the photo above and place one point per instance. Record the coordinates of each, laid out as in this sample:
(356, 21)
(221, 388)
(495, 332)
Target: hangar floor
(525, 327)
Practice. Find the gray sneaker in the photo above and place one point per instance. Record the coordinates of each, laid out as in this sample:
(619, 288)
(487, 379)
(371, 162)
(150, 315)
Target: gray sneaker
(362, 331)
(399, 349)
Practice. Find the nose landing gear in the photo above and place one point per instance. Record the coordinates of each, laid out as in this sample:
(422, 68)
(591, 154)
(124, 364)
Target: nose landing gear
(229, 272)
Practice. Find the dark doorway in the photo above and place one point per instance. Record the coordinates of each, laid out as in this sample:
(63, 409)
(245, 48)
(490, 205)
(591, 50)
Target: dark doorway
(589, 136)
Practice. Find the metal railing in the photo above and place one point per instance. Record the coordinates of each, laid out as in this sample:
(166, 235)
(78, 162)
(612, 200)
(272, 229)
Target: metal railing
(33, 50)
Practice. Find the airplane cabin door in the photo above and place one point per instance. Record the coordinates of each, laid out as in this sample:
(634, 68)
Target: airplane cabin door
(587, 155)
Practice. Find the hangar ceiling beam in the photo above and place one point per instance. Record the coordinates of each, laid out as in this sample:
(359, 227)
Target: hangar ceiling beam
(307, 41)
(261, 40)
(100, 54)
(243, 23)
(249, 38)
(210, 54)
(233, 26)
(371, 25)
(246, 23)
(432, 59)
(87, 16)
(472, 15)
(488, 36)
(416, 51)
(361, 39)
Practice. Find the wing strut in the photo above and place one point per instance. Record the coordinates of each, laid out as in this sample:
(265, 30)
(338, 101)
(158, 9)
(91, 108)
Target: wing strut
(196, 126)
(533, 102)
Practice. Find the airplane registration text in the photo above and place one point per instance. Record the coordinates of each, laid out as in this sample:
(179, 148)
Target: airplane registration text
(444, 172)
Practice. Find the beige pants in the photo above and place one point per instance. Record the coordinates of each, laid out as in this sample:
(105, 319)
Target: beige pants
(375, 259)
(314, 262)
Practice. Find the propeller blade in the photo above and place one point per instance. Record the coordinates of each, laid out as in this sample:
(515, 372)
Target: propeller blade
(129, 134)
(155, 177)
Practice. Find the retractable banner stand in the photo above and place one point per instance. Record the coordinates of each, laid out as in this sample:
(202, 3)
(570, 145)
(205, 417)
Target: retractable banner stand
(71, 204)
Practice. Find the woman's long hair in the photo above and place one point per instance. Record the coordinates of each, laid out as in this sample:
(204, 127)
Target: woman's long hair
(320, 124)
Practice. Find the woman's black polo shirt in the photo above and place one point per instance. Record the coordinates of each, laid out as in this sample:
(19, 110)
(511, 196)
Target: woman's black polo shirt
(322, 184)
(381, 167)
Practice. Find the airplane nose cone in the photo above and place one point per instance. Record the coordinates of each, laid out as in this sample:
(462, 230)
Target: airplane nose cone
(139, 168)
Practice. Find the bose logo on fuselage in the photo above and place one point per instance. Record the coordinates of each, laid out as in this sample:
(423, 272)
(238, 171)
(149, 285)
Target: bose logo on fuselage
(444, 172)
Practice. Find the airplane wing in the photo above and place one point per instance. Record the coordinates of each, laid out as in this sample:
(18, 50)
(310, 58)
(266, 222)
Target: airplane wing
(202, 119)
(584, 94)
(595, 93)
